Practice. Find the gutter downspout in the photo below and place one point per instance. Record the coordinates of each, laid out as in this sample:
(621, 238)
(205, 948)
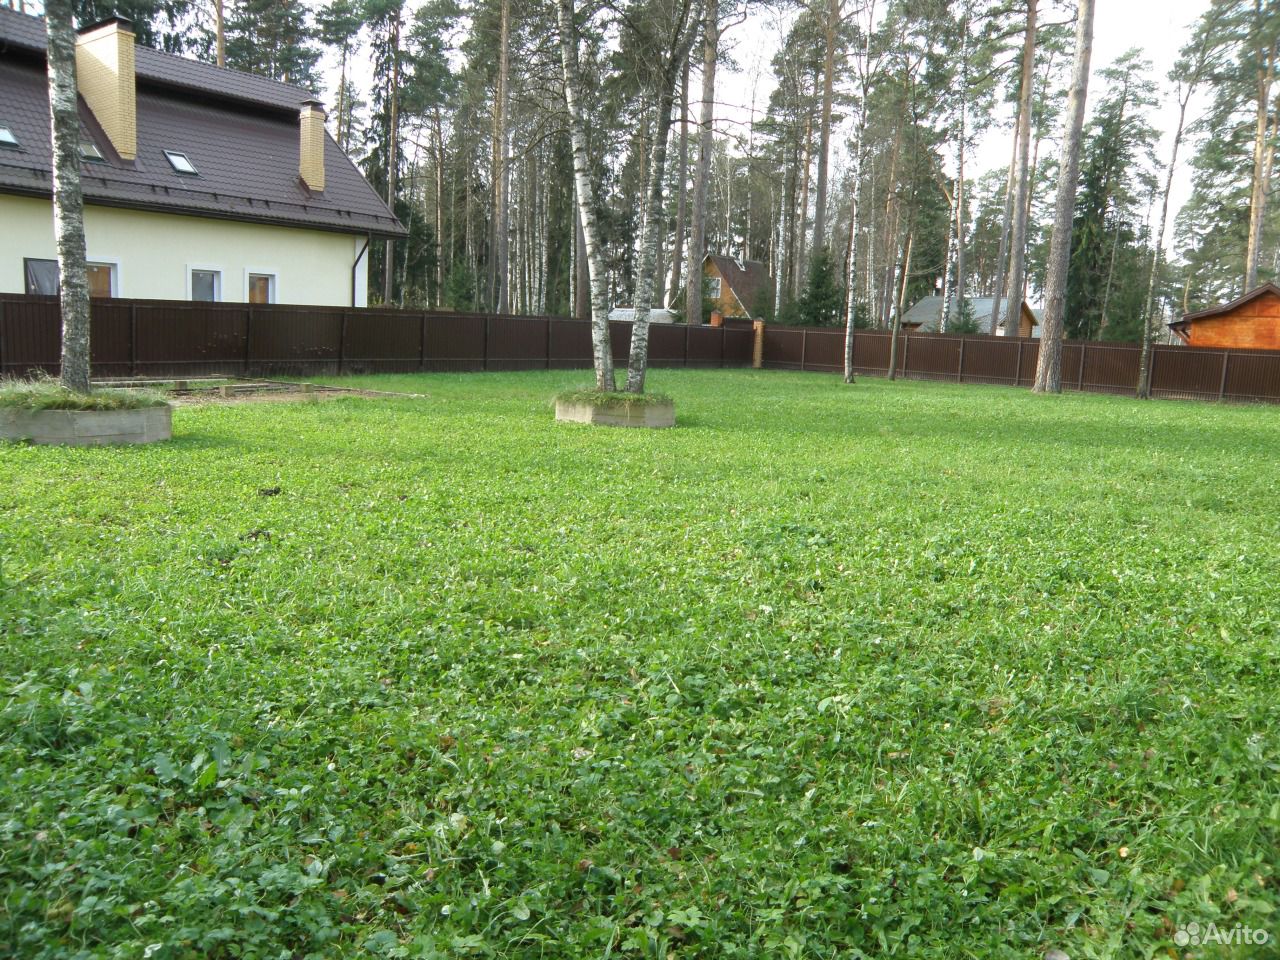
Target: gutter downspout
(356, 266)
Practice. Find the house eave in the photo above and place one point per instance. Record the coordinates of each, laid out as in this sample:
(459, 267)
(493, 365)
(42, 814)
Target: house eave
(354, 228)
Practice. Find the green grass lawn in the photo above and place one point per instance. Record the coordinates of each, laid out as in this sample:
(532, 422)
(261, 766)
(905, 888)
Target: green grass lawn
(885, 670)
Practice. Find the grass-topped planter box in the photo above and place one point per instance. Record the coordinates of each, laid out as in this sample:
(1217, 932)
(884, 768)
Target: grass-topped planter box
(651, 410)
(45, 413)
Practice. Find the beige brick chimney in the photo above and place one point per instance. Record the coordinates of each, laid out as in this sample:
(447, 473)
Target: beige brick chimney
(311, 145)
(104, 72)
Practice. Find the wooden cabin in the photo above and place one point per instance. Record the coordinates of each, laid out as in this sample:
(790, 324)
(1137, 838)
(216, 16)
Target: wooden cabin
(926, 315)
(1249, 323)
(737, 288)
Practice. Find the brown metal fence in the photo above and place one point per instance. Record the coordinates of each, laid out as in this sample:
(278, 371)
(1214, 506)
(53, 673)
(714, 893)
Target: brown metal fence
(160, 338)
(1178, 372)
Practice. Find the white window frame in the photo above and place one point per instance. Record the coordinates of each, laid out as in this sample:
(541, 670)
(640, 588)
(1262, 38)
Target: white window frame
(715, 287)
(169, 155)
(115, 271)
(271, 272)
(206, 268)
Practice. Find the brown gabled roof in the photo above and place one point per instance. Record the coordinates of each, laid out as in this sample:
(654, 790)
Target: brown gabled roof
(748, 279)
(240, 131)
(1249, 297)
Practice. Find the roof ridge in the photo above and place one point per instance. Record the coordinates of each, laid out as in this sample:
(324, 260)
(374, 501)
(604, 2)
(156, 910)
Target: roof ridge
(205, 63)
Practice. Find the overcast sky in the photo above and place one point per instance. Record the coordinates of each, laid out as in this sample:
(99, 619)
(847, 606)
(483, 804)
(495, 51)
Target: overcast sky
(1157, 27)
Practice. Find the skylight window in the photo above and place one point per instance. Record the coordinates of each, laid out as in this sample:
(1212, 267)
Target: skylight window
(181, 164)
(7, 139)
(89, 151)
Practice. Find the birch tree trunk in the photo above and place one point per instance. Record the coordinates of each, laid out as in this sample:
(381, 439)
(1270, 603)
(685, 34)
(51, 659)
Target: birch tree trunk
(1018, 232)
(393, 145)
(584, 193)
(1143, 391)
(779, 253)
(652, 230)
(944, 312)
(800, 273)
(68, 201)
(1049, 363)
(851, 275)
(959, 217)
(682, 183)
(1002, 257)
(702, 175)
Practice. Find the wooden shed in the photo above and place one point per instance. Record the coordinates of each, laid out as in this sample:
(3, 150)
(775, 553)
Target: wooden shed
(737, 288)
(1249, 323)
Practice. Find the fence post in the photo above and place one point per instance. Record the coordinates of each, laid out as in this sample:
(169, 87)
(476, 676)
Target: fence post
(422, 344)
(960, 366)
(546, 327)
(133, 339)
(906, 350)
(342, 342)
(1222, 385)
(1017, 373)
(248, 338)
(1084, 348)
(757, 344)
(484, 350)
(804, 346)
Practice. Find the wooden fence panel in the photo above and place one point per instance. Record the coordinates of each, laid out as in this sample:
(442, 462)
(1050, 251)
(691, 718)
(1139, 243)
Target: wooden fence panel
(153, 338)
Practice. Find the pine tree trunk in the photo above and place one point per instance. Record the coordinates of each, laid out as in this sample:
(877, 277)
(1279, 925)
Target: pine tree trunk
(1258, 196)
(1018, 232)
(68, 201)
(1105, 320)
(824, 127)
(220, 42)
(1049, 364)
(702, 175)
(500, 282)
(602, 350)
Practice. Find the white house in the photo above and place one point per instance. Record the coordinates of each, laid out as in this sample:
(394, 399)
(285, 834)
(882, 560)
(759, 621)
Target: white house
(200, 183)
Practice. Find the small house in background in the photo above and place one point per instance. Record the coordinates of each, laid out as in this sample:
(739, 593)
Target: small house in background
(1249, 323)
(926, 315)
(738, 289)
(628, 315)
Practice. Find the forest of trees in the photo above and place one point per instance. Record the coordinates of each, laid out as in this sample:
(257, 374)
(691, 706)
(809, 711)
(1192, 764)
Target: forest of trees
(854, 179)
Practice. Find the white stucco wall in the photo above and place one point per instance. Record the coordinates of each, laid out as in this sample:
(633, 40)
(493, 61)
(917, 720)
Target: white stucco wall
(154, 253)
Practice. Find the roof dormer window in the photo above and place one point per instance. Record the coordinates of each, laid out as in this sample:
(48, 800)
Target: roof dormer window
(181, 164)
(89, 151)
(7, 139)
